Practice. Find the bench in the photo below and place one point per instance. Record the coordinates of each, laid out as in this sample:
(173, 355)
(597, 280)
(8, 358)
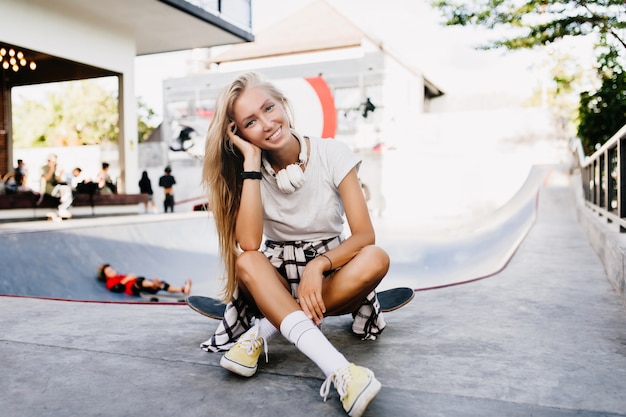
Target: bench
(10, 204)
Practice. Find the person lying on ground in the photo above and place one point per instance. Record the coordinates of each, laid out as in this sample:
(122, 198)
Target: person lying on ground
(133, 285)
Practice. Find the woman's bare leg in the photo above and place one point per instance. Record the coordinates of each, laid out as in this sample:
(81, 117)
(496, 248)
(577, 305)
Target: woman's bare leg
(273, 298)
(345, 290)
(156, 283)
(185, 289)
(260, 281)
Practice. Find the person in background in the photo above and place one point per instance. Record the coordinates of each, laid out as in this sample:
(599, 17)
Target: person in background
(82, 184)
(167, 181)
(266, 181)
(104, 181)
(21, 176)
(145, 187)
(53, 185)
(131, 284)
(16, 182)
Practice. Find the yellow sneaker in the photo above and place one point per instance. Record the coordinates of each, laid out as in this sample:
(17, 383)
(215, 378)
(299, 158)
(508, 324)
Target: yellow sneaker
(357, 386)
(243, 357)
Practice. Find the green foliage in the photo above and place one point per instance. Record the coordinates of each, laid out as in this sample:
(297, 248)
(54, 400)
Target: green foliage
(534, 23)
(603, 112)
(30, 120)
(562, 93)
(75, 113)
(146, 120)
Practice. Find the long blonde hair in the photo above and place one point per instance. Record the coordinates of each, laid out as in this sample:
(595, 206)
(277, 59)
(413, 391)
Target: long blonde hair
(221, 171)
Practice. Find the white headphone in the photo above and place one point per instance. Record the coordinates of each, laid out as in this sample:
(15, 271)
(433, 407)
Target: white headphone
(290, 178)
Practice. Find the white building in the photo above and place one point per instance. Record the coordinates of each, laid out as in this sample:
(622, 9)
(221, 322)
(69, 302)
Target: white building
(77, 39)
(426, 155)
(318, 41)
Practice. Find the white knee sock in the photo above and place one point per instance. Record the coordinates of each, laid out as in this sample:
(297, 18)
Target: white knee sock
(302, 332)
(266, 329)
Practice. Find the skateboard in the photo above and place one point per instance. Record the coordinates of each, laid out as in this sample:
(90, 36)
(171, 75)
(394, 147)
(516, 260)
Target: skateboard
(165, 297)
(389, 300)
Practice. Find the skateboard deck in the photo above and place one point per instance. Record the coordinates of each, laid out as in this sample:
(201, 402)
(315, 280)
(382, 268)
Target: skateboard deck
(389, 300)
(158, 297)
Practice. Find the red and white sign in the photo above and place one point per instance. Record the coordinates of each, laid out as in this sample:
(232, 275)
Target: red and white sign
(313, 105)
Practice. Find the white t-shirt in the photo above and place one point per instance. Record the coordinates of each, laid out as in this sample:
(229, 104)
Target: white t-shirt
(314, 211)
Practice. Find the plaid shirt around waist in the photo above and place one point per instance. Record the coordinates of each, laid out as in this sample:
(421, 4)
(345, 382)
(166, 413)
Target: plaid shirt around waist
(290, 258)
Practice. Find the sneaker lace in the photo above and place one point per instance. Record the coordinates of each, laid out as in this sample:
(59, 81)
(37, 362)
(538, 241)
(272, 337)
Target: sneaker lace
(340, 378)
(251, 342)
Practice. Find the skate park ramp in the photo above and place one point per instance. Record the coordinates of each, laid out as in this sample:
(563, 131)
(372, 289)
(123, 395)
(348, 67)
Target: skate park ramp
(60, 260)
(465, 252)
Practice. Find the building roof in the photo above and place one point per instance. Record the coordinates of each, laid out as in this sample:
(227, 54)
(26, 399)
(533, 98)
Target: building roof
(157, 25)
(316, 27)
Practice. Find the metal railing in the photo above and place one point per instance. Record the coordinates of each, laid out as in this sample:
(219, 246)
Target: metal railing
(604, 179)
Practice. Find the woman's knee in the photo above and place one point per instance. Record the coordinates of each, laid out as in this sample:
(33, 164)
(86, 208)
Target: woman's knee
(377, 259)
(248, 265)
(368, 268)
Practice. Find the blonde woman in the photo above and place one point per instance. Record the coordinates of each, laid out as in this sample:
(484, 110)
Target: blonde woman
(278, 200)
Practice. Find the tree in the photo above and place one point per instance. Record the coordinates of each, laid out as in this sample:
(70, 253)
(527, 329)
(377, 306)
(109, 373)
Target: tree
(561, 95)
(534, 23)
(537, 22)
(145, 120)
(74, 113)
(603, 112)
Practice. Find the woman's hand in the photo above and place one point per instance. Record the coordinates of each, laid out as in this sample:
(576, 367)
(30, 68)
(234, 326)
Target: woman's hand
(247, 149)
(310, 291)
(249, 220)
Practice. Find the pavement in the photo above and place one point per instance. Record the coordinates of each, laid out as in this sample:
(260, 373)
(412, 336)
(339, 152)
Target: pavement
(60, 259)
(544, 334)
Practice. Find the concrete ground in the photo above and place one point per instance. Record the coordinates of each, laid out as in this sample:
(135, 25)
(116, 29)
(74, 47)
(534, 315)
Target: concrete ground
(546, 336)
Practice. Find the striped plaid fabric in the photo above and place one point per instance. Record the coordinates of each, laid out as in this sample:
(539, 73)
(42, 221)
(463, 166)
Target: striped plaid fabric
(291, 257)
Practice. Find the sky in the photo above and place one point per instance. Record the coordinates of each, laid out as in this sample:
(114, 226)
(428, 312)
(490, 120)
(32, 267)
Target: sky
(410, 28)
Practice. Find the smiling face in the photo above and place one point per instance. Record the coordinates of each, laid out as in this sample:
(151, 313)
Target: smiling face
(261, 119)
